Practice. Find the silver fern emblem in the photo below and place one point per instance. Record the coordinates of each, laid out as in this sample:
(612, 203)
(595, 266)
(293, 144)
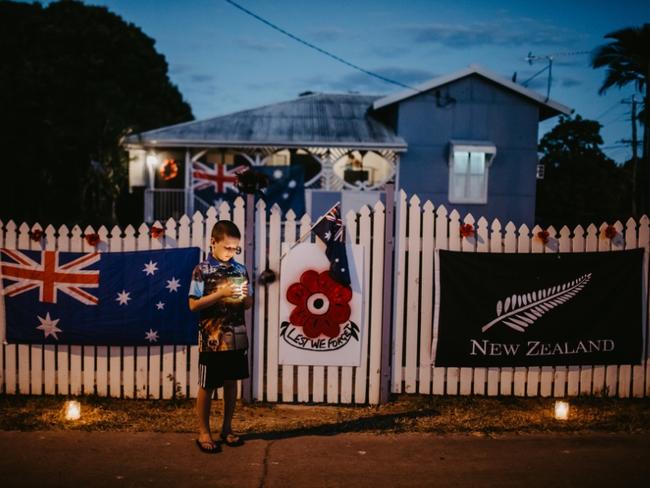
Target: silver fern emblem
(520, 311)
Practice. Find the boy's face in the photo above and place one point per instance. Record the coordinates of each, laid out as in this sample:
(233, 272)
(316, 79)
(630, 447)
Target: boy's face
(225, 249)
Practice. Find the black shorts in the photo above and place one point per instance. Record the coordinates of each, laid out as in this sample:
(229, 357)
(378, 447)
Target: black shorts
(215, 367)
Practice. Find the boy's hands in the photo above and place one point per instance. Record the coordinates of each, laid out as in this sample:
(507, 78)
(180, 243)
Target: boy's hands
(232, 290)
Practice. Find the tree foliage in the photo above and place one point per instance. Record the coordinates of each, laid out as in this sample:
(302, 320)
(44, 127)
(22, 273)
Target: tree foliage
(581, 184)
(627, 61)
(74, 80)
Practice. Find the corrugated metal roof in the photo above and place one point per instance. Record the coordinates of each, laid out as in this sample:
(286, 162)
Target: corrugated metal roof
(549, 108)
(316, 120)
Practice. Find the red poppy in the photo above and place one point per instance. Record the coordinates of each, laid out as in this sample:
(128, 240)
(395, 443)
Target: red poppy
(466, 230)
(36, 235)
(321, 304)
(610, 232)
(543, 236)
(157, 232)
(92, 239)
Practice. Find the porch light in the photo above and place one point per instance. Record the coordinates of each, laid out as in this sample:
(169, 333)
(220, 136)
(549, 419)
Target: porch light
(152, 160)
(72, 410)
(561, 410)
(152, 163)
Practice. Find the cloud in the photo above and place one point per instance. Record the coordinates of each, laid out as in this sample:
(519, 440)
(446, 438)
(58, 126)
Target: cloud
(502, 32)
(540, 83)
(389, 52)
(327, 34)
(201, 78)
(179, 68)
(259, 45)
(570, 82)
(361, 82)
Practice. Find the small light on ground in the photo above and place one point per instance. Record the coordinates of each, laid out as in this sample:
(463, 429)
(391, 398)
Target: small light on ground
(72, 410)
(561, 410)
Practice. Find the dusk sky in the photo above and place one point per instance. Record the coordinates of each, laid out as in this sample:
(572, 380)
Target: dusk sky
(223, 60)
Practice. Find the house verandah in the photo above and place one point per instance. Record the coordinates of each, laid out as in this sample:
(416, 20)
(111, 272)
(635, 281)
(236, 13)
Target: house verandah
(340, 151)
(157, 371)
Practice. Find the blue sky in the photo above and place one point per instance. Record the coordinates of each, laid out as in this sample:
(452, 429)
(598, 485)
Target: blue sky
(224, 60)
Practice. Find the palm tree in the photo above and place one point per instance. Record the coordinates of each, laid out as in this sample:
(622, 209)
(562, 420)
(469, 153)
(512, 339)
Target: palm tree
(627, 59)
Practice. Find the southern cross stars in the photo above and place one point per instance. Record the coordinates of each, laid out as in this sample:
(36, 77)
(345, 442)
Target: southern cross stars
(150, 268)
(160, 306)
(48, 326)
(123, 297)
(173, 284)
(151, 336)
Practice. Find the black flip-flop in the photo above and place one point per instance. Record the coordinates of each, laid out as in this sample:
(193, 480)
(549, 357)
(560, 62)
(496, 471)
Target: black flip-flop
(231, 440)
(212, 450)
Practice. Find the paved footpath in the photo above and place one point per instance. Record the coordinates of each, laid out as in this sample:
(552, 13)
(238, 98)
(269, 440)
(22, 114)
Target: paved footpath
(123, 459)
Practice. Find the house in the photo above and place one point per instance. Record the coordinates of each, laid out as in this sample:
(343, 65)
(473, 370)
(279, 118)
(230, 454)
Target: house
(467, 140)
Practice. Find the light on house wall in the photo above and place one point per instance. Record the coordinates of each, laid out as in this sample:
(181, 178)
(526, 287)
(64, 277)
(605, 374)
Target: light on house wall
(561, 410)
(72, 410)
(152, 164)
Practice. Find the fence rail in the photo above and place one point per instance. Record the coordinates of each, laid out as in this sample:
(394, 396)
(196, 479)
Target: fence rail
(168, 371)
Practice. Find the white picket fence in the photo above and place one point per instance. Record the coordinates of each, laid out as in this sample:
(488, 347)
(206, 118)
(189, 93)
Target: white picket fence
(163, 371)
(430, 229)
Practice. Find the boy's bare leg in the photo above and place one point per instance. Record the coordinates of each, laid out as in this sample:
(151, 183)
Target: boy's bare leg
(203, 402)
(229, 402)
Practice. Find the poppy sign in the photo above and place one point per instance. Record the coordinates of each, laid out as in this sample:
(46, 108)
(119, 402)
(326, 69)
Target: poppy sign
(320, 318)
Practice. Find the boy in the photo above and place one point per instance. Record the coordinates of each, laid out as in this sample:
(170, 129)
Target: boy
(219, 290)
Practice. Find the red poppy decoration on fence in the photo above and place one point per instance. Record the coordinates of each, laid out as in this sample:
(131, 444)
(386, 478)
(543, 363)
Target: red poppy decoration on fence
(157, 232)
(610, 232)
(36, 235)
(92, 239)
(322, 304)
(466, 230)
(542, 235)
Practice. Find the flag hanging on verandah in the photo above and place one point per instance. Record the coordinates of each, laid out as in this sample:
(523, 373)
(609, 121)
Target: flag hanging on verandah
(331, 231)
(538, 309)
(216, 183)
(113, 298)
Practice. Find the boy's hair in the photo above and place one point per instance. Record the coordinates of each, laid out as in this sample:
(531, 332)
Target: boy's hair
(225, 228)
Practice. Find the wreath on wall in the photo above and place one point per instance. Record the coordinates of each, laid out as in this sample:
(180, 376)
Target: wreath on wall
(168, 170)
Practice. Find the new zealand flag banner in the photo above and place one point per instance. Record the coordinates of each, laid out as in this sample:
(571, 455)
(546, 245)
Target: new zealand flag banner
(113, 298)
(538, 309)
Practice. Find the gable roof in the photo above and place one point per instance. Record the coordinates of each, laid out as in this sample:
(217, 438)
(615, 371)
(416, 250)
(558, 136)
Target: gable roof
(548, 108)
(316, 120)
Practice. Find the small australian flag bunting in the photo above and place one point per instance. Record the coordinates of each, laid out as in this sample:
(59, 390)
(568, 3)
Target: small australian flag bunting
(112, 298)
(330, 229)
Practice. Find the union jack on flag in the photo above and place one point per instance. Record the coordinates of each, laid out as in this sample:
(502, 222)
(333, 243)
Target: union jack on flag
(330, 229)
(50, 275)
(217, 176)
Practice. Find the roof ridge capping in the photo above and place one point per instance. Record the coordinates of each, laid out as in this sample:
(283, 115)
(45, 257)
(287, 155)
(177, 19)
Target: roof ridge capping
(471, 69)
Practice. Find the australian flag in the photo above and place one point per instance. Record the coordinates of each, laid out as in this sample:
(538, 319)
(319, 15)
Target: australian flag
(113, 298)
(286, 187)
(330, 229)
(216, 183)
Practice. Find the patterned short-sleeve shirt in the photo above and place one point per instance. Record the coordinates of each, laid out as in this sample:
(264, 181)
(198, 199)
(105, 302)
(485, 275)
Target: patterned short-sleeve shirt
(221, 325)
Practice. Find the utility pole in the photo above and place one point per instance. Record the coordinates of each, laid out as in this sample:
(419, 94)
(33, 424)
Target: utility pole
(638, 199)
(635, 160)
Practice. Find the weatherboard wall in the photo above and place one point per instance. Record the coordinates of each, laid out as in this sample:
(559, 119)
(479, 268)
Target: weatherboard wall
(481, 111)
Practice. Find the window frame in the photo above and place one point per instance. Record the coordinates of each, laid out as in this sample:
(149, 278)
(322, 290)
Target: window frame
(485, 147)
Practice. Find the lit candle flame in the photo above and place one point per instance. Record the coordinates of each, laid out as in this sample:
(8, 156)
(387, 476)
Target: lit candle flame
(72, 410)
(561, 410)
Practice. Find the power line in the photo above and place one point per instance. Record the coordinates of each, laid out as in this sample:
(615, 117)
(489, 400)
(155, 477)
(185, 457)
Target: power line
(320, 50)
(616, 104)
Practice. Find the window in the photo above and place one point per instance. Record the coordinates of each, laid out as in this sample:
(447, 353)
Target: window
(469, 164)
